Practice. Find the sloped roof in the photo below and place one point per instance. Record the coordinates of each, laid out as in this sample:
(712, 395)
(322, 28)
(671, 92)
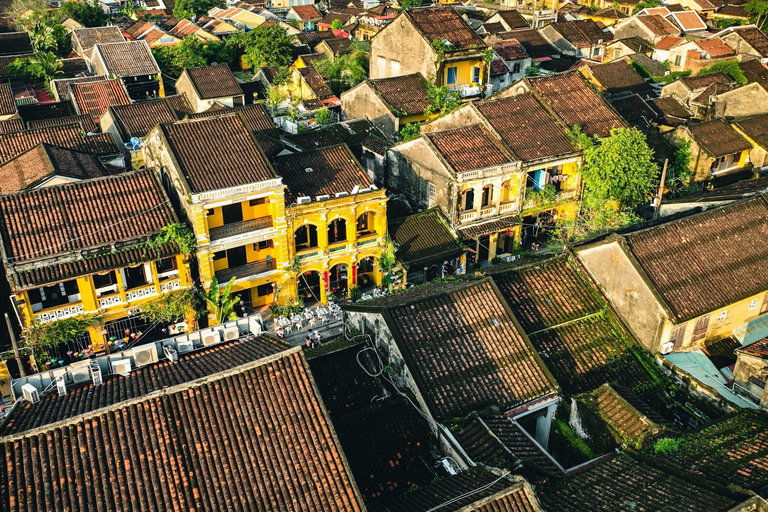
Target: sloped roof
(513, 19)
(42, 111)
(61, 85)
(633, 107)
(470, 147)
(316, 83)
(668, 107)
(307, 12)
(333, 169)
(689, 21)
(498, 67)
(407, 93)
(754, 71)
(424, 238)
(630, 425)
(213, 81)
(90, 37)
(67, 136)
(7, 101)
(131, 58)
(668, 42)
(63, 218)
(755, 38)
(15, 43)
(534, 43)
(714, 47)
(255, 116)
(464, 349)
(575, 103)
(137, 119)
(443, 23)
(355, 133)
(619, 77)
(658, 24)
(526, 127)
(216, 152)
(706, 261)
(226, 423)
(718, 138)
(43, 161)
(581, 33)
(85, 121)
(510, 49)
(610, 13)
(13, 124)
(756, 128)
(94, 98)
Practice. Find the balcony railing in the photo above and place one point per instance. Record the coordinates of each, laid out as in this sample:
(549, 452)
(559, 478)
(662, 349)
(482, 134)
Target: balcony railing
(110, 300)
(140, 293)
(60, 313)
(467, 215)
(466, 90)
(369, 240)
(248, 270)
(240, 228)
(488, 210)
(508, 207)
(338, 248)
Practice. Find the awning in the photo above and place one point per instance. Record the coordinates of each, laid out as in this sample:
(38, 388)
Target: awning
(486, 228)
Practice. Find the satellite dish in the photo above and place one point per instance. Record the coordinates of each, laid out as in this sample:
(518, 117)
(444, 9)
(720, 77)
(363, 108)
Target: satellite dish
(135, 142)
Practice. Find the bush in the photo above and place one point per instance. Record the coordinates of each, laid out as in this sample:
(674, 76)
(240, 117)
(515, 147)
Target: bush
(667, 445)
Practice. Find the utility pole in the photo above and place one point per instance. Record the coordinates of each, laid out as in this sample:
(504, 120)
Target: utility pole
(660, 193)
(15, 345)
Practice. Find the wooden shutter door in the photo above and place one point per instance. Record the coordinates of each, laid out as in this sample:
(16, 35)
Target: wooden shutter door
(700, 329)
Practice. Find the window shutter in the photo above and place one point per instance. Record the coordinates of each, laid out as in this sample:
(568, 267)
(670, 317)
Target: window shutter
(764, 309)
(677, 336)
(700, 329)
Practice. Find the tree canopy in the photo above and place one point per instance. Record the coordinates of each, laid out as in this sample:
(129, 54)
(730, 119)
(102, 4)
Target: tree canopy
(619, 167)
(264, 46)
(344, 72)
(192, 52)
(729, 67)
(40, 68)
(88, 12)
(441, 100)
(187, 9)
(759, 11)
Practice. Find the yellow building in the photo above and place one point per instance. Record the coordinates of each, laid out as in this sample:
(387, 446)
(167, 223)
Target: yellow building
(336, 224)
(82, 250)
(231, 196)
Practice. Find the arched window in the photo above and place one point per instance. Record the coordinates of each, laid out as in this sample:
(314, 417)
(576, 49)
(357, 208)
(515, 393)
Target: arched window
(487, 196)
(469, 199)
(337, 231)
(305, 237)
(366, 224)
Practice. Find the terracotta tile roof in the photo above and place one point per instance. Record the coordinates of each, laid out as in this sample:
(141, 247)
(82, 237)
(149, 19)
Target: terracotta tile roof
(65, 269)
(700, 82)
(738, 11)
(312, 38)
(424, 238)
(486, 228)
(581, 33)
(633, 107)
(688, 21)
(510, 50)
(61, 85)
(312, 104)
(214, 81)
(67, 136)
(575, 103)
(333, 169)
(85, 121)
(180, 104)
(630, 426)
(338, 46)
(241, 438)
(704, 5)
(465, 352)
(714, 47)
(619, 77)
(407, 94)
(668, 42)
(513, 19)
(533, 42)
(216, 153)
(11, 125)
(692, 262)
(255, 115)
(355, 133)
(754, 38)
(722, 351)
(42, 111)
(668, 107)
(307, 12)
(137, 119)
(131, 58)
(444, 23)
(498, 67)
(634, 43)
(184, 28)
(526, 127)
(64, 218)
(658, 25)
(732, 451)
(754, 71)
(498, 442)
(610, 13)
(474, 485)
(7, 101)
(469, 148)
(493, 28)
(90, 37)
(759, 348)
(613, 484)
(718, 138)
(756, 128)
(36, 165)
(316, 83)
(93, 98)
(15, 43)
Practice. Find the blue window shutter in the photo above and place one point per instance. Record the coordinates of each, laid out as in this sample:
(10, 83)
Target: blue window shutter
(540, 179)
(452, 76)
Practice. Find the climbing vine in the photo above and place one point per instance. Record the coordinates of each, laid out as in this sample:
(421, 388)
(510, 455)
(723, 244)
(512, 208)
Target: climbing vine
(179, 234)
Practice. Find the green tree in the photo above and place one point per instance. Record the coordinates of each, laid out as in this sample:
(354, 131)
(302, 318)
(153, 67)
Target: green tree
(410, 131)
(40, 68)
(337, 24)
(27, 13)
(679, 170)
(441, 100)
(192, 52)
(645, 4)
(729, 67)
(88, 12)
(596, 216)
(274, 98)
(169, 307)
(186, 9)
(533, 69)
(407, 4)
(759, 11)
(323, 116)
(42, 337)
(264, 46)
(221, 303)
(344, 72)
(619, 167)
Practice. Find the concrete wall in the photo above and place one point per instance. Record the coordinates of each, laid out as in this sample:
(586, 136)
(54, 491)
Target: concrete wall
(401, 42)
(628, 293)
(362, 101)
(632, 28)
(701, 161)
(553, 36)
(750, 100)
(464, 116)
(746, 366)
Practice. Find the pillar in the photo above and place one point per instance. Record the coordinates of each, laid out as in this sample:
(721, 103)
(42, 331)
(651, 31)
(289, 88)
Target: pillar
(87, 293)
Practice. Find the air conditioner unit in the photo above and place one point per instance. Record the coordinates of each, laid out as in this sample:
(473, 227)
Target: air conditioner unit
(254, 325)
(231, 333)
(143, 356)
(211, 338)
(61, 386)
(666, 348)
(184, 345)
(30, 393)
(304, 200)
(81, 371)
(171, 354)
(323, 197)
(121, 366)
(342, 194)
(356, 189)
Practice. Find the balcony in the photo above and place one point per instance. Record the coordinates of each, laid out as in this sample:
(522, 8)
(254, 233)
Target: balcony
(140, 293)
(487, 211)
(466, 90)
(337, 248)
(108, 301)
(245, 271)
(368, 239)
(242, 229)
(508, 207)
(60, 313)
(467, 215)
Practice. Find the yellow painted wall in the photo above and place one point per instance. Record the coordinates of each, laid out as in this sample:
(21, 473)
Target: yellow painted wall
(216, 218)
(464, 72)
